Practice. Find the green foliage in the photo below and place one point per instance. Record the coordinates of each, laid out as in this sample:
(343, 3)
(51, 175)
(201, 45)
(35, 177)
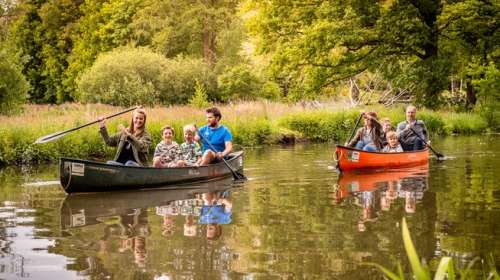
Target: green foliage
(123, 77)
(42, 33)
(270, 90)
(103, 26)
(465, 123)
(128, 76)
(470, 40)
(433, 122)
(13, 85)
(255, 127)
(58, 19)
(311, 49)
(238, 82)
(189, 28)
(27, 36)
(254, 132)
(488, 85)
(179, 77)
(322, 126)
(199, 99)
(420, 271)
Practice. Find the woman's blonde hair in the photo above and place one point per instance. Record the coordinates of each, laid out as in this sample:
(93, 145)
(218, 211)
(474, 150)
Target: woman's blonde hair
(137, 130)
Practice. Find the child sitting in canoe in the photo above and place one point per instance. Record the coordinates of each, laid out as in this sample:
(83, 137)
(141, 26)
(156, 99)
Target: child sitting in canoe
(190, 153)
(386, 127)
(393, 145)
(167, 151)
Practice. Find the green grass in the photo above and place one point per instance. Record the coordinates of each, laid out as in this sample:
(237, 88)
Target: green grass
(252, 124)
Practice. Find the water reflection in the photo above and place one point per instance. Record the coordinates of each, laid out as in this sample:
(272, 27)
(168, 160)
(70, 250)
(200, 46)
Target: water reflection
(375, 191)
(288, 222)
(119, 225)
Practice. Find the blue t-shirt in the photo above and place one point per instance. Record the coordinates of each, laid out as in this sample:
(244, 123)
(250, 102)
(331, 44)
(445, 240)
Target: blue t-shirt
(216, 136)
(214, 215)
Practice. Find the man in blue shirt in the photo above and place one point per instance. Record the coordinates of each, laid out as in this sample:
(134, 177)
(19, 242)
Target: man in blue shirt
(216, 134)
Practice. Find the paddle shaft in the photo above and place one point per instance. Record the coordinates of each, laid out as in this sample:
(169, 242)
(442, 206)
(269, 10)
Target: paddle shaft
(356, 126)
(236, 175)
(439, 155)
(56, 135)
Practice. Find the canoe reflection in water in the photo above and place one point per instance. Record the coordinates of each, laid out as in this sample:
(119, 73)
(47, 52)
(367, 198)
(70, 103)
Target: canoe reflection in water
(372, 190)
(124, 217)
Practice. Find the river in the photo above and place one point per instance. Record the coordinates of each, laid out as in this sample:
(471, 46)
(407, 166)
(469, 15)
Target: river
(295, 218)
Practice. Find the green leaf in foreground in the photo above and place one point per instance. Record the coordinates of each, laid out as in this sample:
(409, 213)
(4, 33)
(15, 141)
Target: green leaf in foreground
(444, 265)
(418, 270)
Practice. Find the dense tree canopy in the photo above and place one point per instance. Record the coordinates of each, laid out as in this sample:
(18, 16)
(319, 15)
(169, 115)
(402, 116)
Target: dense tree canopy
(303, 48)
(317, 43)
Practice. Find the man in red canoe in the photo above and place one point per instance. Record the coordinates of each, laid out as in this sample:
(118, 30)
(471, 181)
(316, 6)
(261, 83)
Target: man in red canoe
(412, 132)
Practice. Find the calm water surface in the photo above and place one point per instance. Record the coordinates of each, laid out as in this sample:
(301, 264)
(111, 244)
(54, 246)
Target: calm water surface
(294, 219)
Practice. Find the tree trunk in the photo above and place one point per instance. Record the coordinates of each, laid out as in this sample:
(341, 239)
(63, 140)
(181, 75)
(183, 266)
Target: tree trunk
(354, 92)
(208, 37)
(209, 46)
(470, 100)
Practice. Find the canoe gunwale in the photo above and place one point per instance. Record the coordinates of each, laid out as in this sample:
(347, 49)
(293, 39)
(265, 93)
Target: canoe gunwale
(234, 156)
(383, 153)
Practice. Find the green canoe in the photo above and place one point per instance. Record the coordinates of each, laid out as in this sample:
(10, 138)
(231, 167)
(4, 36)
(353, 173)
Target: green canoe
(91, 176)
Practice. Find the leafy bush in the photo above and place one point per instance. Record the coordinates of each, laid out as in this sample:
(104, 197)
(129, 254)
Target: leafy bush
(270, 90)
(179, 78)
(489, 94)
(322, 126)
(128, 76)
(124, 77)
(251, 133)
(433, 121)
(13, 85)
(199, 99)
(465, 123)
(238, 82)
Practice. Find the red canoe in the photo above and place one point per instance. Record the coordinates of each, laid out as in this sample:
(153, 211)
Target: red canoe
(351, 158)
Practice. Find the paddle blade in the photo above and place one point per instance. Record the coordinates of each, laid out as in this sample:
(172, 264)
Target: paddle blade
(239, 177)
(50, 137)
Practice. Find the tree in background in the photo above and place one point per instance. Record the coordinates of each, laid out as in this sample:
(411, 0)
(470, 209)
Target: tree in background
(128, 76)
(103, 26)
(13, 86)
(27, 37)
(61, 39)
(194, 28)
(316, 44)
(471, 38)
(42, 34)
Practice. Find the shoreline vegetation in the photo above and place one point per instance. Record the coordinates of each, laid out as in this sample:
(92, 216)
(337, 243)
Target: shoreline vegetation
(252, 124)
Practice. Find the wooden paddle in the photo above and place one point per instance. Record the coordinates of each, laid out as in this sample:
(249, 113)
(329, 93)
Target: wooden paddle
(59, 134)
(438, 155)
(355, 126)
(236, 175)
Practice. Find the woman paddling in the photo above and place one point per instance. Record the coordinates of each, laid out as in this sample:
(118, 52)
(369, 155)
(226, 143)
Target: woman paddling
(369, 137)
(132, 143)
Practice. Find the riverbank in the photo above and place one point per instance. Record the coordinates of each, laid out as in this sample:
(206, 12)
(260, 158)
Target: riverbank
(252, 124)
